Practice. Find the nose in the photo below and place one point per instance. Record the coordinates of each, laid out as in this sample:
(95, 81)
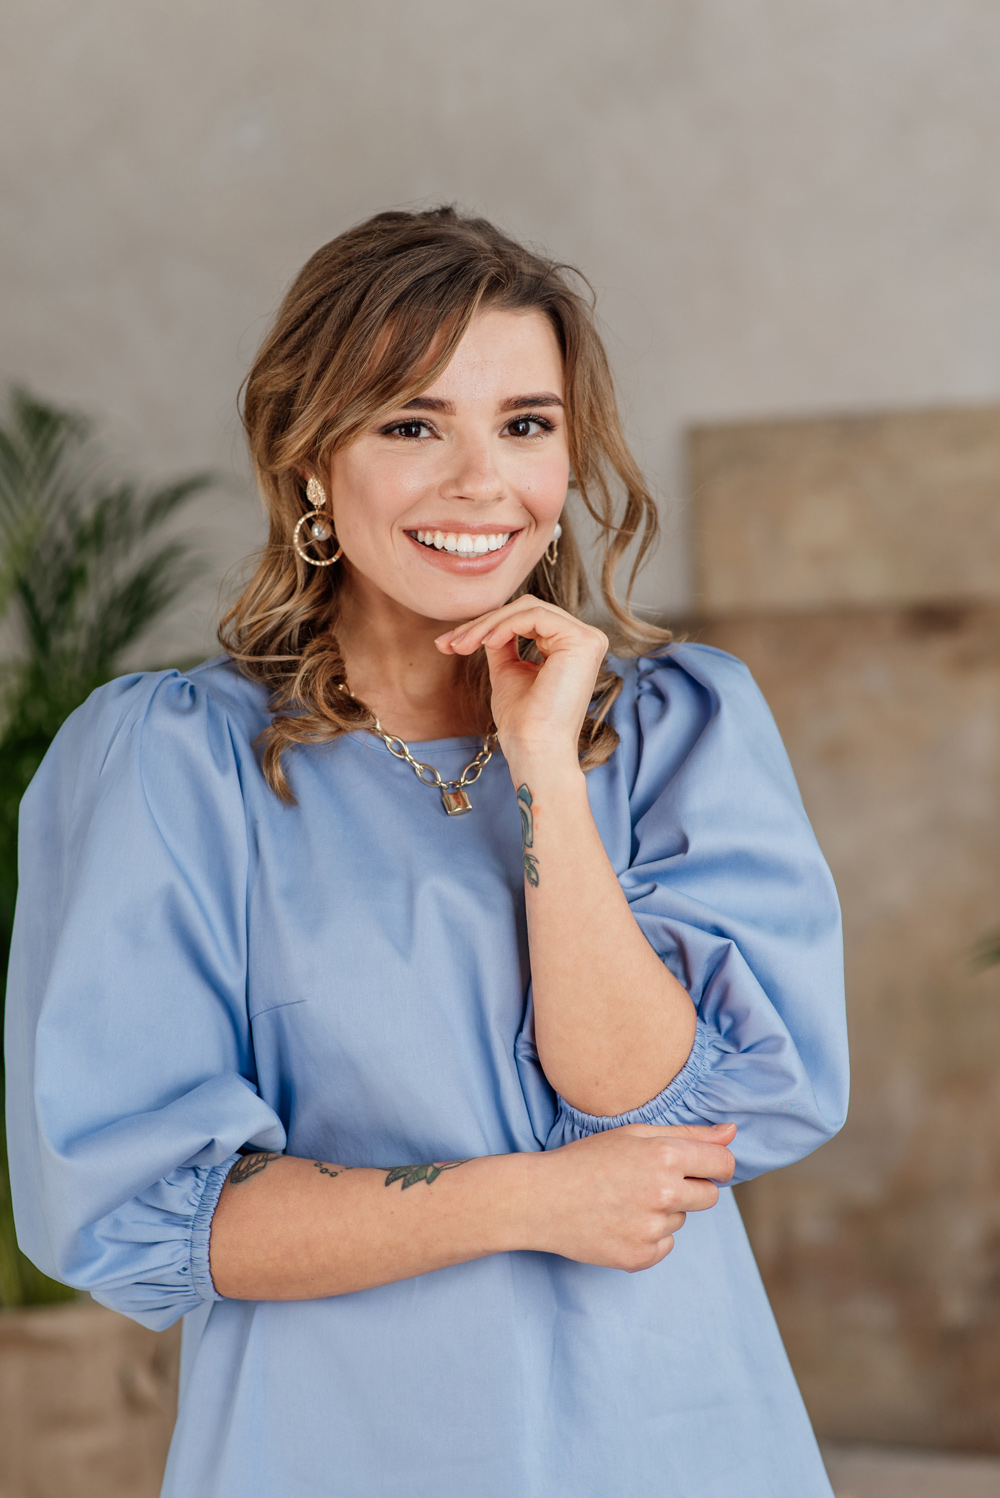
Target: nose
(473, 473)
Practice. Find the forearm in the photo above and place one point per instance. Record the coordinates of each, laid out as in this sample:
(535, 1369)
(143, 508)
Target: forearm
(292, 1229)
(612, 1025)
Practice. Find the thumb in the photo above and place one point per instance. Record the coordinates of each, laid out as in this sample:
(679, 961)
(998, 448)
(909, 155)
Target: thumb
(717, 1133)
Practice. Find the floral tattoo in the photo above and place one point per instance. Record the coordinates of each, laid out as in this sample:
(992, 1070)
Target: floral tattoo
(250, 1165)
(524, 805)
(411, 1174)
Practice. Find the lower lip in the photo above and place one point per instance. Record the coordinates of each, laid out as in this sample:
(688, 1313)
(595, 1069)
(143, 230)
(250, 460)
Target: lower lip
(454, 561)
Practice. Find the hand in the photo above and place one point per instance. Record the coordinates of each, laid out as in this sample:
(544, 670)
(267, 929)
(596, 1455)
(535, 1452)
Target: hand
(617, 1198)
(538, 710)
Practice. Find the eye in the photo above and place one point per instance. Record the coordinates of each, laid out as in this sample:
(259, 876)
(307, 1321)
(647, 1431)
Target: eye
(408, 431)
(521, 426)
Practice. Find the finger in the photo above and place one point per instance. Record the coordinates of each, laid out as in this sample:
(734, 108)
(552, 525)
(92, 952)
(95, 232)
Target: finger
(484, 622)
(527, 618)
(696, 1196)
(718, 1133)
(712, 1162)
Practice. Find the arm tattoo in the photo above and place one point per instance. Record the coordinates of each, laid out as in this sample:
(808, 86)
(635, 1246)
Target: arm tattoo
(411, 1174)
(524, 803)
(328, 1170)
(250, 1165)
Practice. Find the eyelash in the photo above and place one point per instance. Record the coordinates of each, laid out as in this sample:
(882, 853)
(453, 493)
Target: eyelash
(397, 427)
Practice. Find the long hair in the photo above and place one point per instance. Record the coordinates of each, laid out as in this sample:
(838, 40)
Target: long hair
(369, 322)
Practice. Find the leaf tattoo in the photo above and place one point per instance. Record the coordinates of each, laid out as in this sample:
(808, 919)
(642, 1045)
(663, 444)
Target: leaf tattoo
(524, 804)
(250, 1165)
(411, 1174)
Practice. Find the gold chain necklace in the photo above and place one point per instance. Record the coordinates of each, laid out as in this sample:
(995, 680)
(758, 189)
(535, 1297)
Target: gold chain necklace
(454, 796)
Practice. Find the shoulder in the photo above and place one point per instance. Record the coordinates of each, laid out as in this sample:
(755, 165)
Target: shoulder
(695, 709)
(162, 726)
(687, 681)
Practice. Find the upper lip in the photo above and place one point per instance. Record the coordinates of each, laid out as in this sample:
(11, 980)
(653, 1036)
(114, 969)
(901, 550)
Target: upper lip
(464, 527)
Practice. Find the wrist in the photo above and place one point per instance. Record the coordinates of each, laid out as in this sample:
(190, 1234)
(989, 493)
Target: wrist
(518, 1202)
(545, 769)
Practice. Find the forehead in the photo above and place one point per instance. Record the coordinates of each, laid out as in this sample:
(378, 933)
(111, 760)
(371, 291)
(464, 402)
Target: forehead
(502, 354)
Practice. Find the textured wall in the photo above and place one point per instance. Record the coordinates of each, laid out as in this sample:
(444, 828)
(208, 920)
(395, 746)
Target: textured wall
(861, 510)
(784, 207)
(882, 1251)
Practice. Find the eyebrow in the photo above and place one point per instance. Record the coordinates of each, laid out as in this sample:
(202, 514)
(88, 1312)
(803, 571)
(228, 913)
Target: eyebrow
(447, 408)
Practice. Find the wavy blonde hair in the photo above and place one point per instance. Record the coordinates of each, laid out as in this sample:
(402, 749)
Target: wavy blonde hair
(369, 322)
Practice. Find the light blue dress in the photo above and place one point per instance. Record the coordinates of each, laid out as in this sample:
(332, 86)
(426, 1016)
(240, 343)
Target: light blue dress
(198, 968)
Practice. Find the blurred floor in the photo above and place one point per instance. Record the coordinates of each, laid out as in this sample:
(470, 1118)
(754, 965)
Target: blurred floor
(887, 1472)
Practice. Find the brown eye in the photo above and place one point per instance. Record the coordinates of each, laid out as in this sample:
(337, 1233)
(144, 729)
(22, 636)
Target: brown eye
(528, 426)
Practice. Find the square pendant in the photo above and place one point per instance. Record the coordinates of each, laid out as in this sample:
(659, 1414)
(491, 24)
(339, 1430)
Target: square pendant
(455, 802)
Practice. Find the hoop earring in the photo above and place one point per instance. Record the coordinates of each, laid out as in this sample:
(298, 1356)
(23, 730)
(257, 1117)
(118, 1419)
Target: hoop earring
(551, 551)
(319, 528)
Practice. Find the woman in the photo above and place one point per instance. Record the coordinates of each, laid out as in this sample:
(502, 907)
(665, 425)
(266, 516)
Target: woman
(381, 1079)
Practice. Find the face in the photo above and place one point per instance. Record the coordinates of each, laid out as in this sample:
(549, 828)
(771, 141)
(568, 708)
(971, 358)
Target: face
(448, 502)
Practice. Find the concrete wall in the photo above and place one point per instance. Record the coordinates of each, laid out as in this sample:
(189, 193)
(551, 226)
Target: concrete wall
(784, 207)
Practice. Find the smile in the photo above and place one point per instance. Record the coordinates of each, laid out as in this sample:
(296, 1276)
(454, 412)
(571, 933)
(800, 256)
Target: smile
(462, 543)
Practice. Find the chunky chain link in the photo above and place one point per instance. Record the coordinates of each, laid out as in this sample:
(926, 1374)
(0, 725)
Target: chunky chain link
(427, 774)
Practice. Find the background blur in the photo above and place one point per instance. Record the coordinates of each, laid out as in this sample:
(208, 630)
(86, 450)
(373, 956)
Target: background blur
(790, 211)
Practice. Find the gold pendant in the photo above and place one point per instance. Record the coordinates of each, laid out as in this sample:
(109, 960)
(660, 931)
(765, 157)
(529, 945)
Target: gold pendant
(455, 802)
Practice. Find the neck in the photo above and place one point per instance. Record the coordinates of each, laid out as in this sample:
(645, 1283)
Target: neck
(395, 668)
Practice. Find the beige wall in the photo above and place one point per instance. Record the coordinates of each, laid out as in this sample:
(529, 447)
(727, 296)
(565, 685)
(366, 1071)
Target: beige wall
(784, 207)
(877, 644)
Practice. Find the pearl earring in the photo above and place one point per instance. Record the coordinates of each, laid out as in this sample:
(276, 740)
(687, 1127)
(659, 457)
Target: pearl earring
(552, 550)
(319, 527)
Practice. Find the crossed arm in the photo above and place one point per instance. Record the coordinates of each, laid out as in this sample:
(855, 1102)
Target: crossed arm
(613, 1027)
(610, 1035)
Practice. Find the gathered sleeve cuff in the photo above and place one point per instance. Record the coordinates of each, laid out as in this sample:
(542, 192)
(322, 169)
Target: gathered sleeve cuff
(572, 1124)
(201, 1230)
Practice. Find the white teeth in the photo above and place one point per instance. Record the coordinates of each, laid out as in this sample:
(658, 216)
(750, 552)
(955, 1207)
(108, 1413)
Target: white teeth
(462, 543)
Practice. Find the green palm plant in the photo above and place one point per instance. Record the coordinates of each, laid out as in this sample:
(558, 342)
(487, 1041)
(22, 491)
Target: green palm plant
(86, 568)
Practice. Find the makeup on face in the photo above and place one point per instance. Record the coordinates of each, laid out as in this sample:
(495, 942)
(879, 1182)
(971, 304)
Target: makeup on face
(447, 503)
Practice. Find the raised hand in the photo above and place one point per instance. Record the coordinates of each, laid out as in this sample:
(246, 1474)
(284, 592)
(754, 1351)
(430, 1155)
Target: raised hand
(538, 710)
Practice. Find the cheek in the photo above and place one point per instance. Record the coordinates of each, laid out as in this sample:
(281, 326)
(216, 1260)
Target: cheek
(542, 486)
(368, 499)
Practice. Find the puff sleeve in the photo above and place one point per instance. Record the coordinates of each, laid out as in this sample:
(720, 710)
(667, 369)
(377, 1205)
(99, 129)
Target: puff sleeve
(130, 1079)
(724, 876)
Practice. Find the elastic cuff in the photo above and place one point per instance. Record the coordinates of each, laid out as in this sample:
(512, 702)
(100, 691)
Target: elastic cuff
(652, 1112)
(201, 1275)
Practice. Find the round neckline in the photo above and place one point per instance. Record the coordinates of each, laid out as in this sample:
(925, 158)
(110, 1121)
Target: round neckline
(462, 741)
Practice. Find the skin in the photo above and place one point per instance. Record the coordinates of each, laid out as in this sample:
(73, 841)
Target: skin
(484, 450)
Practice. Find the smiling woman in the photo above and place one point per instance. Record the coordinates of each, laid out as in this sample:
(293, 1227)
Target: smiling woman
(387, 991)
(433, 376)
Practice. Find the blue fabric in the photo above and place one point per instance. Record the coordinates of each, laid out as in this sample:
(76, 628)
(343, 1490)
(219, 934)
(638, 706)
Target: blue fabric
(198, 967)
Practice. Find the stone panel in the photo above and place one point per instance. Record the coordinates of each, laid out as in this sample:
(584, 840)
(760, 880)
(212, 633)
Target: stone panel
(901, 508)
(881, 1252)
(87, 1403)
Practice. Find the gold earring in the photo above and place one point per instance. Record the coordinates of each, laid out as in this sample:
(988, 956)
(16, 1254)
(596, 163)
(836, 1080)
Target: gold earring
(319, 527)
(552, 550)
